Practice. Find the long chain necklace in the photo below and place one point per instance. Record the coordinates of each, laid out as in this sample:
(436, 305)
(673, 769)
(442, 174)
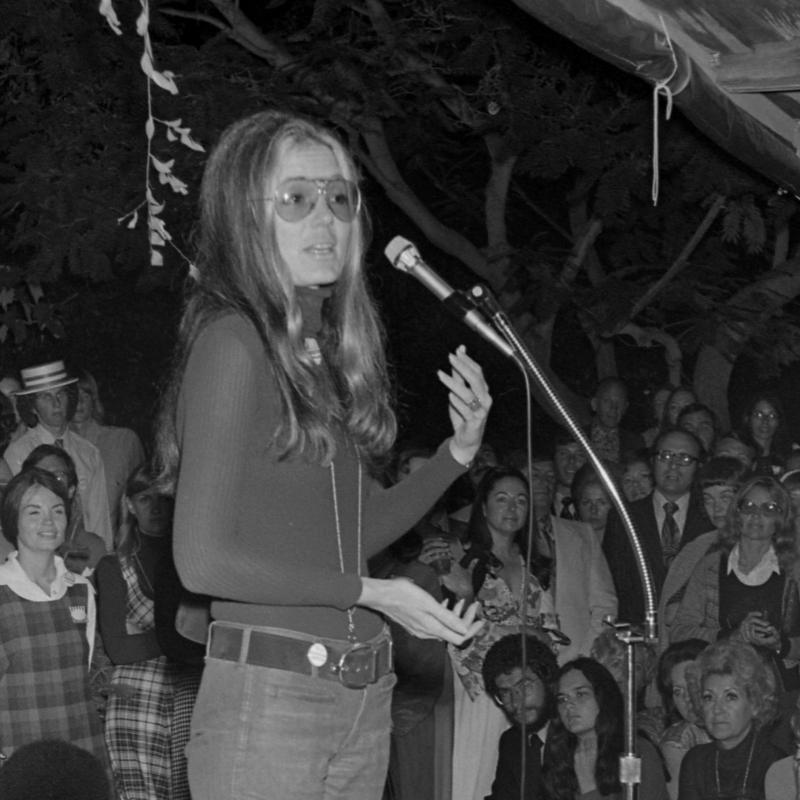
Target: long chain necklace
(351, 627)
(746, 771)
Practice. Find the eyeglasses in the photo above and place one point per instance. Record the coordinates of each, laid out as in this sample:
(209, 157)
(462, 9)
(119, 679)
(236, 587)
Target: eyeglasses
(762, 415)
(296, 198)
(681, 459)
(504, 696)
(770, 509)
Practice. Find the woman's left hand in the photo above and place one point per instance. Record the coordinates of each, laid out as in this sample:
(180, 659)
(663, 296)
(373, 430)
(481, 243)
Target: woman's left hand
(470, 402)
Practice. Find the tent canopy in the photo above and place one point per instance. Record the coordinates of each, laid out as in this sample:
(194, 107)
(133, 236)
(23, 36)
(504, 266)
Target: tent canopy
(732, 66)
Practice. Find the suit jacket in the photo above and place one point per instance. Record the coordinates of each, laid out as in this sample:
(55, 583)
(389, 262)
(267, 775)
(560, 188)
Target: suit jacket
(509, 768)
(620, 557)
(585, 592)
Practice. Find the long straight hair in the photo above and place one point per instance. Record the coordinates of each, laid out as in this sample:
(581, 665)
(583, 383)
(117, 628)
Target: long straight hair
(239, 269)
(560, 780)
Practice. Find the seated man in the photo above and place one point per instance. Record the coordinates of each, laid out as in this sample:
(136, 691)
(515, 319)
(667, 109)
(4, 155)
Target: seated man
(527, 698)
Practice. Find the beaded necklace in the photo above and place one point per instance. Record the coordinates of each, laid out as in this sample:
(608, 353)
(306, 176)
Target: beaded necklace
(746, 770)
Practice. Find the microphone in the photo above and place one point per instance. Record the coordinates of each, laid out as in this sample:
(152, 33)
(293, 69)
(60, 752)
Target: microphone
(405, 257)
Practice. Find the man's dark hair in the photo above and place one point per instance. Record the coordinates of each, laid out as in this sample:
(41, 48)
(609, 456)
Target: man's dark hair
(505, 655)
(51, 769)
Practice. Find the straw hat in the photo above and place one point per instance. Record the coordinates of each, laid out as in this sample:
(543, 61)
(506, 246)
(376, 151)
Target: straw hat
(44, 378)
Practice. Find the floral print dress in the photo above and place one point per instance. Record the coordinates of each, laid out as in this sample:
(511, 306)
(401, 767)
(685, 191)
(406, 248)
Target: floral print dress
(502, 612)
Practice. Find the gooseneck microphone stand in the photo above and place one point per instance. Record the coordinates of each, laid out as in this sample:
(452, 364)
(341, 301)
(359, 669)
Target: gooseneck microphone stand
(628, 633)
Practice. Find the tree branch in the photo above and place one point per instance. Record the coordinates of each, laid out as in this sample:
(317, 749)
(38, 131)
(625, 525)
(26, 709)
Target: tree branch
(680, 262)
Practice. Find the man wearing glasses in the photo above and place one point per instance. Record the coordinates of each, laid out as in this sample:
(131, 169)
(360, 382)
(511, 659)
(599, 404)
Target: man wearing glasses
(528, 701)
(665, 521)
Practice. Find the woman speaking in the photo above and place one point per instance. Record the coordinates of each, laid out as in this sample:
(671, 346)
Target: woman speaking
(277, 412)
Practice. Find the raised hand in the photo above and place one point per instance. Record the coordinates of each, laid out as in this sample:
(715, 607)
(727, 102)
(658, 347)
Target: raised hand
(469, 404)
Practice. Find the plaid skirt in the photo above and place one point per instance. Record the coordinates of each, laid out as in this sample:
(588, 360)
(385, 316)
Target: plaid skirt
(138, 729)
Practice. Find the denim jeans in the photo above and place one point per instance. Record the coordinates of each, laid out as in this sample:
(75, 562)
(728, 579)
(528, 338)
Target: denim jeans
(267, 734)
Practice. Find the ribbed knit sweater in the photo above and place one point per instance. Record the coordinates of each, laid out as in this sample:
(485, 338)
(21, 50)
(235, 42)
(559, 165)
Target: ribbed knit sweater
(260, 534)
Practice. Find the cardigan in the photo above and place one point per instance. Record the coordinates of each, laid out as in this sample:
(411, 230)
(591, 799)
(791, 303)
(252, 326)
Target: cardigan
(698, 613)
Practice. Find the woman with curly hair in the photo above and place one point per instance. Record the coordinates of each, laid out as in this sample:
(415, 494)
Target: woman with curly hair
(734, 692)
(586, 739)
(744, 587)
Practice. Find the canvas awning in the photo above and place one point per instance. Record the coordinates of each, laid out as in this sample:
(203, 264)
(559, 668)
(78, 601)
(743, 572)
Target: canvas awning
(732, 66)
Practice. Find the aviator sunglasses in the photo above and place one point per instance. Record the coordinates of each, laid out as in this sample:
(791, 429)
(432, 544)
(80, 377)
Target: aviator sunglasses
(296, 198)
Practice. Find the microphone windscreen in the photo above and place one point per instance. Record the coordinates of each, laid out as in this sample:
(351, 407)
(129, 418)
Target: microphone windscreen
(394, 249)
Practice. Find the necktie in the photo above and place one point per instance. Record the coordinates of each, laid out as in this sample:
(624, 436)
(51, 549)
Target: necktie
(566, 508)
(59, 443)
(670, 534)
(533, 766)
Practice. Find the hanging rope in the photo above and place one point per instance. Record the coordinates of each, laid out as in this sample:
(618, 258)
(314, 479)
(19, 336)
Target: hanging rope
(662, 87)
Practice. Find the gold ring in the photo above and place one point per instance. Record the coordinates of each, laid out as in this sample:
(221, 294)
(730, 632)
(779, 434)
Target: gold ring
(475, 404)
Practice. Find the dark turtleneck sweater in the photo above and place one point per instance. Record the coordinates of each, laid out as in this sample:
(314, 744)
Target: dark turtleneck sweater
(260, 534)
(708, 768)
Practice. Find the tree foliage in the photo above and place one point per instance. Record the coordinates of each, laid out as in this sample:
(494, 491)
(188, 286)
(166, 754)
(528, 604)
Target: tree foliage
(481, 133)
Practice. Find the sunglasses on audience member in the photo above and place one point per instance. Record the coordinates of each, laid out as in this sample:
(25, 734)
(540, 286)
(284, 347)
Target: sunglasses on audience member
(296, 198)
(770, 415)
(681, 459)
(770, 509)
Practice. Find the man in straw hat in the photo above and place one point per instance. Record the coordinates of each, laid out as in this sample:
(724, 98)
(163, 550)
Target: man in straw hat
(46, 403)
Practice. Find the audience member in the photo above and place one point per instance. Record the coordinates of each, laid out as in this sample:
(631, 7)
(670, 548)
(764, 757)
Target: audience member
(568, 458)
(592, 498)
(679, 398)
(497, 541)
(46, 404)
(47, 624)
(791, 482)
(9, 386)
(8, 428)
(181, 620)
(745, 587)
(420, 758)
(521, 683)
(700, 420)
(609, 650)
(731, 445)
(609, 404)
(684, 729)
(583, 589)
(666, 521)
(764, 428)
(637, 475)
(658, 403)
(485, 460)
(718, 479)
(81, 549)
(586, 738)
(52, 769)
(734, 692)
(139, 711)
(119, 448)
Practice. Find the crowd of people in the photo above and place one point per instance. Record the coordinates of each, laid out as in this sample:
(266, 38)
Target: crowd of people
(264, 609)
